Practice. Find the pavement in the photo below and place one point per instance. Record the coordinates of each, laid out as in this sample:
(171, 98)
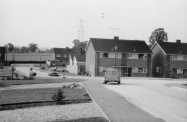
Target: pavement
(116, 107)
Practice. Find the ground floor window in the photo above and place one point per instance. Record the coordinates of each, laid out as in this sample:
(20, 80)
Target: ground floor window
(157, 69)
(185, 72)
(139, 70)
(179, 71)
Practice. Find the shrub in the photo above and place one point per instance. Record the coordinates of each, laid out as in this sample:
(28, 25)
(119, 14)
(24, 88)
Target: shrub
(58, 96)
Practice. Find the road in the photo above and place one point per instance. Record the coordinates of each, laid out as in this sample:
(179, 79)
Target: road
(163, 98)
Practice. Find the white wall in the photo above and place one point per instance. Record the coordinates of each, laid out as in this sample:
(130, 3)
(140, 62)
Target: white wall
(90, 59)
(73, 65)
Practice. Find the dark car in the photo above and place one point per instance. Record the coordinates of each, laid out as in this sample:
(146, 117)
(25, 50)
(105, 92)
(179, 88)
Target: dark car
(54, 74)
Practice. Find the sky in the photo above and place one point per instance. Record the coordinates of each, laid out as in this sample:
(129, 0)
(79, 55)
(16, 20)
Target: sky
(56, 23)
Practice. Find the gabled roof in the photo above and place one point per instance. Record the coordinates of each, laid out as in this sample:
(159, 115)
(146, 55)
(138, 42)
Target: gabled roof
(174, 47)
(107, 45)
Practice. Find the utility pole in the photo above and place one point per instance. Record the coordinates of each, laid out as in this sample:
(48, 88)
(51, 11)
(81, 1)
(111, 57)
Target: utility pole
(81, 30)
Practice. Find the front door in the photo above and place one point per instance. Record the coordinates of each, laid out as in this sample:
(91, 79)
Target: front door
(129, 71)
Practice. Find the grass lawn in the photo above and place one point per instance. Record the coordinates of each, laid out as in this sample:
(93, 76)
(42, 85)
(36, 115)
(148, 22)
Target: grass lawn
(5, 83)
(20, 98)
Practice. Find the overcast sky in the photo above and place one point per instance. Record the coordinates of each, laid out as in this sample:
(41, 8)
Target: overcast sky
(55, 23)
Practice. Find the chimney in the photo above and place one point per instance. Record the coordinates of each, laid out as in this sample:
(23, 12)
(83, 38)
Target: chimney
(116, 38)
(178, 41)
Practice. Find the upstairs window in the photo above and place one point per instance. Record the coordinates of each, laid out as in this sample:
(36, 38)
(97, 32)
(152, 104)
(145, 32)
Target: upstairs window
(177, 58)
(140, 56)
(105, 55)
(132, 56)
(140, 70)
(58, 55)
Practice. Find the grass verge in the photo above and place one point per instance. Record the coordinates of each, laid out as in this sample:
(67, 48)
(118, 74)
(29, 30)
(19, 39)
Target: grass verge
(22, 98)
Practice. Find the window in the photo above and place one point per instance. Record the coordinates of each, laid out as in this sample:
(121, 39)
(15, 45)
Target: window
(114, 55)
(135, 70)
(140, 70)
(157, 69)
(132, 56)
(179, 71)
(180, 57)
(177, 57)
(140, 56)
(65, 55)
(105, 55)
(58, 55)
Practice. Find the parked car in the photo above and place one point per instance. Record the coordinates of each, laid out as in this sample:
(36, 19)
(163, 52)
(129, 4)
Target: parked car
(112, 75)
(54, 74)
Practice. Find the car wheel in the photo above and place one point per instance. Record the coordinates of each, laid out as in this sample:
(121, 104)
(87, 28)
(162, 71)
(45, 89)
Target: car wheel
(105, 82)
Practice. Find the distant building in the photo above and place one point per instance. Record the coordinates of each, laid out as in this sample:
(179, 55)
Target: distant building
(169, 59)
(36, 57)
(61, 56)
(130, 57)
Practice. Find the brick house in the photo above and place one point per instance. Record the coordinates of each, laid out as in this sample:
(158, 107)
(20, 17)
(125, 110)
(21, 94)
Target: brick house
(169, 59)
(130, 57)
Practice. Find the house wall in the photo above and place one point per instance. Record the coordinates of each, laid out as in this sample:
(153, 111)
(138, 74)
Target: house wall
(166, 64)
(179, 65)
(158, 60)
(90, 59)
(122, 61)
(135, 63)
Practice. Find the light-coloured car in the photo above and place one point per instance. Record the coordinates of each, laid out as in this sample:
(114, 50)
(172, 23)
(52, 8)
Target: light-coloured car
(112, 75)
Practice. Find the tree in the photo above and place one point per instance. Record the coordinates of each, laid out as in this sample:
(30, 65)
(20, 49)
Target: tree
(24, 49)
(33, 47)
(10, 47)
(158, 35)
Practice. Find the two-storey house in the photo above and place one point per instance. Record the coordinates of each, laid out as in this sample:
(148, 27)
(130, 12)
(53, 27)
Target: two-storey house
(130, 57)
(169, 59)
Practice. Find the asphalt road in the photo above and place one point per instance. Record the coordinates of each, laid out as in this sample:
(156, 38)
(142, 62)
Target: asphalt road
(116, 107)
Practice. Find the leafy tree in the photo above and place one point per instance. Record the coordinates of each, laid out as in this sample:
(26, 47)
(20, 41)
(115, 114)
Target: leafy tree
(33, 47)
(24, 49)
(158, 35)
(10, 47)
